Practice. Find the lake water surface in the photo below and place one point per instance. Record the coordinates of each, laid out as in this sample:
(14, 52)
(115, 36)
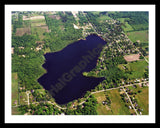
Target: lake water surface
(64, 79)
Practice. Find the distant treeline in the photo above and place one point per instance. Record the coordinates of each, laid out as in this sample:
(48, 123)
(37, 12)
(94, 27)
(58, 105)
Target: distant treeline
(138, 20)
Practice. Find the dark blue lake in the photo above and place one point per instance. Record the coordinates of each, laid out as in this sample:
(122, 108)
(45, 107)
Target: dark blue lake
(64, 79)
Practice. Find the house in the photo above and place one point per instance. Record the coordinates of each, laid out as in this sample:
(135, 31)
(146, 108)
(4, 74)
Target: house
(62, 114)
(32, 90)
(104, 102)
(12, 50)
(76, 27)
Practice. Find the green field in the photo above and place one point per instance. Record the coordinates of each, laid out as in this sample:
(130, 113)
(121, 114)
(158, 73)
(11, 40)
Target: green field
(136, 68)
(15, 110)
(103, 18)
(127, 26)
(23, 98)
(138, 35)
(117, 106)
(143, 101)
(14, 89)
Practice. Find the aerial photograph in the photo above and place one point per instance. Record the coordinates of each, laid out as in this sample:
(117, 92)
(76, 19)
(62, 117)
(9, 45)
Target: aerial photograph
(80, 63)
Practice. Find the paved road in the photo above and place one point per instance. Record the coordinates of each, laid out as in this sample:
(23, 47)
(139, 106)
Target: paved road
(88, 96)
(130, 101)
(110, 89)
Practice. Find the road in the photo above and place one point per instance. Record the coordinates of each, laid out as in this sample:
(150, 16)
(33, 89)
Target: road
(130, 101)
(27, 92)
(109, 90)
(90, 23)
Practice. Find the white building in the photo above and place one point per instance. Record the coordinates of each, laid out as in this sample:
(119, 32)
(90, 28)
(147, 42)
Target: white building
(76, 27)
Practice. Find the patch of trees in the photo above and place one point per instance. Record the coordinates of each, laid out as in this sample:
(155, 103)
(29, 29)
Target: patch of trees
(44, 109)
(138, 20)
(26, 61)
(17, 24)
(104, 27)
(62, 31)
(83, 20)
(112, 72)
(40, 109)
(88, 108)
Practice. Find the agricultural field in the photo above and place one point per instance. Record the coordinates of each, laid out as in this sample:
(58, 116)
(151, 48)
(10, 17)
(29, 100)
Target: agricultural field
(34, 25)
(136, 69)
(127, 27)
(23, 98)
(120, 107)
(15, 94)
(22, 31)
(142, 36)
(33, 17)
(143, 100)
(14, 89)
(103, 18)
(117, 106)
(132, 57)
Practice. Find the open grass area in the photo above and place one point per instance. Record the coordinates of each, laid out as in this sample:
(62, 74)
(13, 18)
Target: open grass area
(138, 35)
(15, 111)
(39, 31)
(103, 18)
(102, 109)
(143, 100)
(39, 23)
(22, 31)
(136, 68)
(117, 106)
(127, 27)
(23, 98)
(14, 89)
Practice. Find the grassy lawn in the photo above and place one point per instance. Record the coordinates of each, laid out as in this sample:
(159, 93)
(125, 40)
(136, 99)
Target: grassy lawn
(143, 101)
(23, 98)
(103, 18)
(15, 111)
(14, 89)
(38, 22)
(102, 109)
(42, 91)
(46, 50)
(127, 26)
(136, 68)
(38, 31)
(15, 94)
(138, 35)
(142, 98)
(117, 106)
